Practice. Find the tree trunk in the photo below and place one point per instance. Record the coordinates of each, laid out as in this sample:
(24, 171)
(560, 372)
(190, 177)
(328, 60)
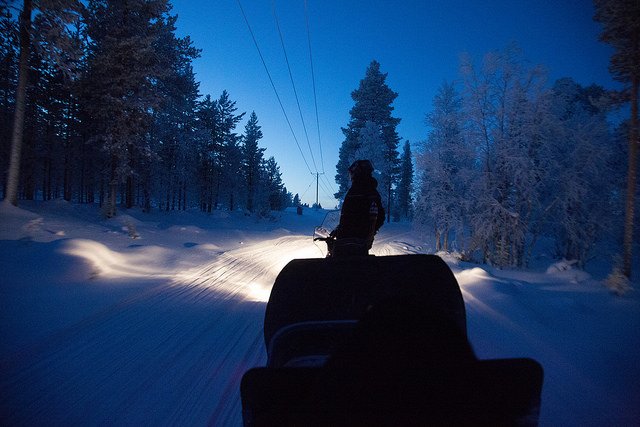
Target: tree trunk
(21, 94)
(129, 188)
(66, 182)
(445, 242)
(113, 187)
(389, 202)
(147, 199)
(631, 179)
(184, 195)
(250, 192)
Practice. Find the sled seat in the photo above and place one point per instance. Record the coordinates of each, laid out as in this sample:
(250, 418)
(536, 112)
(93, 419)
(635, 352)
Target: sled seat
(308, 343)
(343, 289)
(487, 392)
(387, 340)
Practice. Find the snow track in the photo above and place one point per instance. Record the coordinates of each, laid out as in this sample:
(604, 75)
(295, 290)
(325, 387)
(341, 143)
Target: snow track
(173, 353)
(159, 331)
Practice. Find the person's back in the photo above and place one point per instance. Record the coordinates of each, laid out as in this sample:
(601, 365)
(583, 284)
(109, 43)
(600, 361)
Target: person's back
(362, 213)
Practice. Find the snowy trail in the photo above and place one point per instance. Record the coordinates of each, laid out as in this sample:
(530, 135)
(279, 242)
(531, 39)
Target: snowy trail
(171, 354)
(162, 331)
(511, 318)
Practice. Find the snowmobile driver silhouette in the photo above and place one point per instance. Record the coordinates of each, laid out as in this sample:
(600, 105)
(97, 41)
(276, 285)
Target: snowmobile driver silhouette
(361, 215)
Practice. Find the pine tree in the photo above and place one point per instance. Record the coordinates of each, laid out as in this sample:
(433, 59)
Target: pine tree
(229, 170)
(251, 159)
(370, 140)
(72, 139)
(52, 126)
(121, 87)
(111, 110)
(9, 52)
(405, 184)
(274, 191)
(208, 151)
(56, 16)
(174, 136)
(219, 153)
(621, 29)
(372, 109)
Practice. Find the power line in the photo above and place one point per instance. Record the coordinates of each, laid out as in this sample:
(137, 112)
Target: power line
(305, 191)
(255, 42)
(295, 92)
(328, 190)
(330, 185)
(313, 80)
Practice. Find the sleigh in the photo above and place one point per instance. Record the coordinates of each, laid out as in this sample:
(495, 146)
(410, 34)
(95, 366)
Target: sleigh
(379, 341)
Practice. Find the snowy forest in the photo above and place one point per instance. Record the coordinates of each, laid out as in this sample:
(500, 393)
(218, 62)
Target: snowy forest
(508, 159)
(112, 114)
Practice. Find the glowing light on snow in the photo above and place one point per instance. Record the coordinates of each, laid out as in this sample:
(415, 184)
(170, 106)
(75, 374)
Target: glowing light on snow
(147, 261)
(471, 276)
(472, 295)
(246, 273)
(258, 292)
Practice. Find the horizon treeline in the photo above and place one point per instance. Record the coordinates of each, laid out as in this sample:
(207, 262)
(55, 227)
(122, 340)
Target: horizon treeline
(113, 115)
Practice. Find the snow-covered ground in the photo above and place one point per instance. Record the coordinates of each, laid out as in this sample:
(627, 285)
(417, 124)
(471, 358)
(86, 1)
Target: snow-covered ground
(151, 319)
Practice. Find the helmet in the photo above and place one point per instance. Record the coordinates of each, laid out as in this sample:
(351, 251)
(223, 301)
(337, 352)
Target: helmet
(361, 168)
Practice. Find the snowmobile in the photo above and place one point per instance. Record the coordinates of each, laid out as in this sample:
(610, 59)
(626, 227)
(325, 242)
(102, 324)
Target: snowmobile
(342, 247)
(379, 340)
(322, 232)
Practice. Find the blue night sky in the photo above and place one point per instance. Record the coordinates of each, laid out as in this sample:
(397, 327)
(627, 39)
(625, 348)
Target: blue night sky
(418, 43)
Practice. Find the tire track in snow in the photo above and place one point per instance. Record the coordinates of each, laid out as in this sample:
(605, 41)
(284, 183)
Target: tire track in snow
(170, 354)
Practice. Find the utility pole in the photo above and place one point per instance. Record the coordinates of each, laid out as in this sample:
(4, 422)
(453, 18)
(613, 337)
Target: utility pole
(317, 174)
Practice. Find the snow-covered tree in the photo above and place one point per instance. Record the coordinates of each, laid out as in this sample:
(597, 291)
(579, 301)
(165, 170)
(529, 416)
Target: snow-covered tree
(174, 139)
(502, 102)
(372, 110)
(370, 140)
(111, 110)
(121, 86)
(621, 29)
(445, 167)
(219, 152)
(174, 135)
(56, 17)
(9, 53)
(50, 138)
(578, 149)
